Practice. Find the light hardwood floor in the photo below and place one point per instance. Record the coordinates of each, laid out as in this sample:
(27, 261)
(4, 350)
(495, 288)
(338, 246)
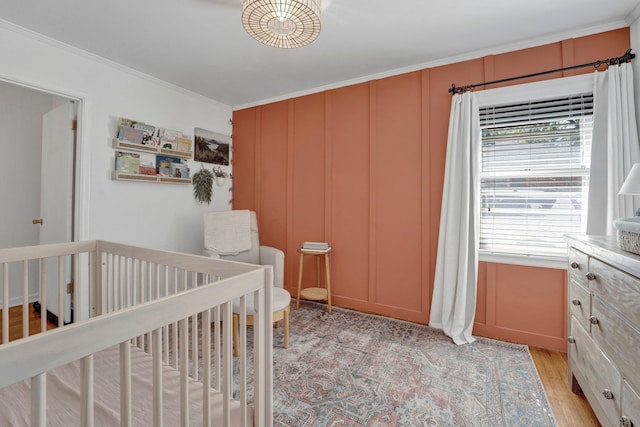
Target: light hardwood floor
(570, 409)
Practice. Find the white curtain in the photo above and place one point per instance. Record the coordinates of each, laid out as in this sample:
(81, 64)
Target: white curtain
(615, 148)
(454, 292)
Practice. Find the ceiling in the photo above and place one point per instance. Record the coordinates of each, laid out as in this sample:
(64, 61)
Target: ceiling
(200, 45)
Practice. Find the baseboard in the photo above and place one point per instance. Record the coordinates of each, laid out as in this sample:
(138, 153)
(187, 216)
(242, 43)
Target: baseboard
(17, 300)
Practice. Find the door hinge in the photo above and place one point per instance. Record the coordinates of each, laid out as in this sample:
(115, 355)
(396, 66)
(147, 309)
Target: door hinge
(74, 124)
(70, 288)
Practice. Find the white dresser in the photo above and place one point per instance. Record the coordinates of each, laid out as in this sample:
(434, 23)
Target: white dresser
(604, 328)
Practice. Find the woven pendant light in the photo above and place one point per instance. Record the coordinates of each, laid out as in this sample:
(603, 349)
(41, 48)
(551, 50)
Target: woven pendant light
(283, 24)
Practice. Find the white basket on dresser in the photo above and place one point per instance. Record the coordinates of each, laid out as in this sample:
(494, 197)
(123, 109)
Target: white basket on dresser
(628, 233)
(604, 328)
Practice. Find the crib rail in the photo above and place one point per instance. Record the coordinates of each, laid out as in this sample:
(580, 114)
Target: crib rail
(162, 302)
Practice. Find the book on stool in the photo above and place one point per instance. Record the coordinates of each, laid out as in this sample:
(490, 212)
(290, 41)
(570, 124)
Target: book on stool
(316, 246)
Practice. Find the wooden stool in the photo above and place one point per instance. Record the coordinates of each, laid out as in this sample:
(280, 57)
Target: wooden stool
(318, 293)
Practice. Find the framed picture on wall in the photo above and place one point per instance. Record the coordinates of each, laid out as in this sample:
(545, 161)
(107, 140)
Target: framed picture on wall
(211, 147)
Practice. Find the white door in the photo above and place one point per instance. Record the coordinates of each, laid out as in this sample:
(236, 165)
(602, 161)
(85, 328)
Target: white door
(56, 196)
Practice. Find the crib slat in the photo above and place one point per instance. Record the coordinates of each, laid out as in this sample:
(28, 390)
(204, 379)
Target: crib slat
(120, 284)
(43, 294)
(86, 391)
(124, 282)
(115, 276)
(157, 379)
(174, 334)
(61, 290)
(214, 314)
(134, 282)
(263, 360)
(227, 361)
(184, 373)
(149, 289)
(157, 281)
(125, 384)
(102, 284)
(94, 274)
(258, 359)
(25, 299)
(194, 336)
(5, 303)
(76, 290)
(242, 342)
(216, 345)
(166, 328)
(206, 368)
(109, 283)
(39, 400)
(195, 363)
(267, 327)
(143, 296)
(174, 327)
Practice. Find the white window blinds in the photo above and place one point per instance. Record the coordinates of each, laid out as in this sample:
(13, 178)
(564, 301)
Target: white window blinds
(535, 175)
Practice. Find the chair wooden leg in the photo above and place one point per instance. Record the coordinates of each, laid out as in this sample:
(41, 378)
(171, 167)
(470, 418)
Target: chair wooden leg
(236, 335)
(286, 327)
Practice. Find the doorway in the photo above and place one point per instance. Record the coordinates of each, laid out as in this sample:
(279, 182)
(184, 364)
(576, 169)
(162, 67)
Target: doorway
(37, 180)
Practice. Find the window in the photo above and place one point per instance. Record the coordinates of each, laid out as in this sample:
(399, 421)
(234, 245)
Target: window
(534, 175)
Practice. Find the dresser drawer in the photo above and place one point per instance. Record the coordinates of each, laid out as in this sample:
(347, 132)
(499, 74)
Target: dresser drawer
(578, 266)
(599, 379)
(580, 304)
(630, 406)
(619, 289)
(618, 339)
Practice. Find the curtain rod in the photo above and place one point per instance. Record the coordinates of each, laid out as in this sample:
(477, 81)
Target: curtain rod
(628, 56)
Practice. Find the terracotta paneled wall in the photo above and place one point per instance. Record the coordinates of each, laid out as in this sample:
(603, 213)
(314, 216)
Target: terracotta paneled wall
(362, 167)
(348, 183)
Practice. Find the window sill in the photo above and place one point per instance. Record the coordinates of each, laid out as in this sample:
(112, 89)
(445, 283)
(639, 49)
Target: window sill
(559, 263)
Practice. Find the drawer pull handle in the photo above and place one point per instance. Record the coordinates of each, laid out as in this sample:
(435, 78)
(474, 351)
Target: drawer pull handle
(626, 421)
(575, 301)
(607, 394)
(593, 320)
(571, 340)
(591, 276)
(575, 265)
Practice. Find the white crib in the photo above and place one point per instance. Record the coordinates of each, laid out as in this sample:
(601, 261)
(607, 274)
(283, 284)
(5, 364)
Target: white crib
(153, 347)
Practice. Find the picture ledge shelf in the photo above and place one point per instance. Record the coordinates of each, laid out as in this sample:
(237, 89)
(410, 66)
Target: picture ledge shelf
(151, 149)
(119, 176)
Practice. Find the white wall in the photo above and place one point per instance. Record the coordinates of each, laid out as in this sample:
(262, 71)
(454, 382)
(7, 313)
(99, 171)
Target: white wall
(155, 215)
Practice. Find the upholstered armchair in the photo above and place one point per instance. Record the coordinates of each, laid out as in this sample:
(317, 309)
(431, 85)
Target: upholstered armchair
(233, 235)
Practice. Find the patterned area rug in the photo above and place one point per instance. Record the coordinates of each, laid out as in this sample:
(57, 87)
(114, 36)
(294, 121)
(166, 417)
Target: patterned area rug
(354, 369)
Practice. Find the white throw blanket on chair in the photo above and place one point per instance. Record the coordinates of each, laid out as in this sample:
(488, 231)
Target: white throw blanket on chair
(227, 232)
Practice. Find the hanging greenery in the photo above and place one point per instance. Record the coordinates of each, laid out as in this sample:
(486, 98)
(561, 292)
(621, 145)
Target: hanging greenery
(203, 185)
